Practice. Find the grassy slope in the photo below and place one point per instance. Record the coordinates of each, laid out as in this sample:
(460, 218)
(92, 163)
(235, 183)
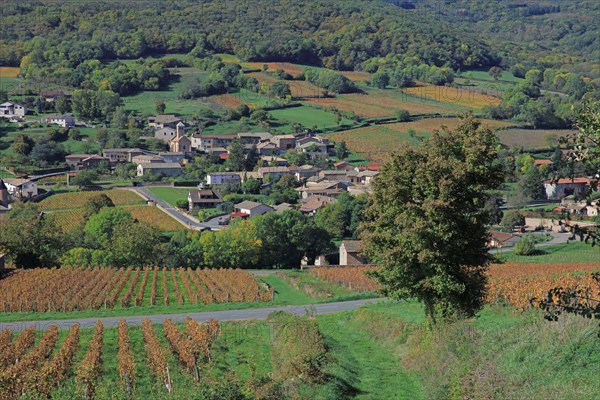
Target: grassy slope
(571, 252)
(144, 103)
(71, 146)
(170, 194)
(306, 116)
(383, 351)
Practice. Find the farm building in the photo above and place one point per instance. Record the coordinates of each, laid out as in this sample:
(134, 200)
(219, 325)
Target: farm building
(350, 253)
(9, 109)
(21, 188)
(166, 169)
(64, 121)
(566, 187)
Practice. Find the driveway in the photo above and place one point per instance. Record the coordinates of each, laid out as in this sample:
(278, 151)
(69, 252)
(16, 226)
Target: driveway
(184, 218)
(229, 315)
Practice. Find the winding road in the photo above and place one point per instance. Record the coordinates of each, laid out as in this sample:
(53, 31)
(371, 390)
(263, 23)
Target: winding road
(183, 218)
(228, 315)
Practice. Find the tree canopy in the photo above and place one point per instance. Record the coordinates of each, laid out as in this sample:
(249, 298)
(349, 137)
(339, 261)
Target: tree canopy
(426, 221)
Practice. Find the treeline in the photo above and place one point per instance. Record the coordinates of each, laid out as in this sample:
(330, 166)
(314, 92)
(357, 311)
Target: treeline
(110, 236)
(222, 77)
(336, 34)
(124, 79)
(404, 72)
(527, 102)
(549, 35)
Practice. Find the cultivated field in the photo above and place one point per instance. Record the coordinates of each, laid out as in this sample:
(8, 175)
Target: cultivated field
(384, 103)
(377, 142)
(63, 201)
(130, 359)
(452, 95)
(530, 138)
(517, 284)
(75, 289)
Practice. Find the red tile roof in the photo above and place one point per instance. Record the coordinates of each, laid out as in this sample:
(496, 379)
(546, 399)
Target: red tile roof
(373, 167)
(239, 214)
(563, 181)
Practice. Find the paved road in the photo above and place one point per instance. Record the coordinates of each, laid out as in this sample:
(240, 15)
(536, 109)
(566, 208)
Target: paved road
(557, 238)
(229, 315)
(184, 218)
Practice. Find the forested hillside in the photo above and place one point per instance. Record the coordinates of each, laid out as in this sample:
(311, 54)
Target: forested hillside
(336, 34)
(525, 33)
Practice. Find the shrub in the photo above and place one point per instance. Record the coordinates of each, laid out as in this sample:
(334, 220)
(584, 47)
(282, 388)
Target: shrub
(525, 246)
(298, 350)
(182, 203)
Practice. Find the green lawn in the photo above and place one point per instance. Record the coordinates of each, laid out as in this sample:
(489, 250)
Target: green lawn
(171, 194)
(559, 253)
(506, 77)
(307, 117)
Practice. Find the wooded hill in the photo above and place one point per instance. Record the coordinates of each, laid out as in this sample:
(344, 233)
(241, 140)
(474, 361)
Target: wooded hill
(336, 34)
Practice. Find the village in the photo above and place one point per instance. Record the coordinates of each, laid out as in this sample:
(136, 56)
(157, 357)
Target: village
(319, 179)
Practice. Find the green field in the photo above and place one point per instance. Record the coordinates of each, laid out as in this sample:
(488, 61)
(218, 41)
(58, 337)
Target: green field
(571, 252)
(144, 103)
(170, 194)
(307, 117)
(506, 77)
(87, 142)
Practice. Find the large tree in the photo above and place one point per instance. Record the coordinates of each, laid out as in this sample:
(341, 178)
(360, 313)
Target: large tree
(426, 221)
(29, 238)
(288, 237)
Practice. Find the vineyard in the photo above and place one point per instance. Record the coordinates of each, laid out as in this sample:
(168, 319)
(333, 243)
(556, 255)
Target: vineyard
(531, 139)
(63, 201)
(380, 103)
(172, 357)
(229, 100)
(512, 284)
(68, 219)
(74, 289)
(447, 94)
(517, 284)
(351, 278)
(67, 209)
(290, 68)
